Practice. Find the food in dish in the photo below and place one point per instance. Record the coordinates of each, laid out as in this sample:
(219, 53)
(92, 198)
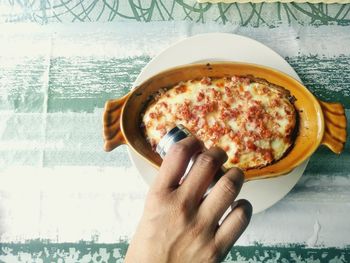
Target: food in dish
(253, 120)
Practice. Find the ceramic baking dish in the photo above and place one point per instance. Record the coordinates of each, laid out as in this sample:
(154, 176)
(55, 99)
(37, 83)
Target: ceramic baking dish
(320, 123)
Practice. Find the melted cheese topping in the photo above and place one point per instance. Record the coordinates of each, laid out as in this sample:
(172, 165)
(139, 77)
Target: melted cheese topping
(251, 120)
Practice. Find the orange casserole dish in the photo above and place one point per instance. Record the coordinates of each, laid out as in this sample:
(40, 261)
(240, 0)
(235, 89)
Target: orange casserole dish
(319, 122)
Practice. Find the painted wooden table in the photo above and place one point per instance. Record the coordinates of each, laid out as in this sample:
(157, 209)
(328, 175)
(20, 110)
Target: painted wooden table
(62, 199)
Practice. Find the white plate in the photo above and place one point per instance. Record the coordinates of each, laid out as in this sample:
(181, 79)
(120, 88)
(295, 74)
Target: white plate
(224, 47)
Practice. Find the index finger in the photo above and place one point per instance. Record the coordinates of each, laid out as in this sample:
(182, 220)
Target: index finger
(175, 163)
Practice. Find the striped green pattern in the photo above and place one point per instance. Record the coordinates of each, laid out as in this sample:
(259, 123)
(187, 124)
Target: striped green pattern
(55, 77)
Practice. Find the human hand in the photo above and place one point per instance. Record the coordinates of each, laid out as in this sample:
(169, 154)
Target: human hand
(178, 225)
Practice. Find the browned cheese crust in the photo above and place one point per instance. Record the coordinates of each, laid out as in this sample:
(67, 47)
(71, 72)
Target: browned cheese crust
(253, 120)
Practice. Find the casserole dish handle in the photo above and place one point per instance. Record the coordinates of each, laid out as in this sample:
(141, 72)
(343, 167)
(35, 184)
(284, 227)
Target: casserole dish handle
(335, 126)
(112, 133)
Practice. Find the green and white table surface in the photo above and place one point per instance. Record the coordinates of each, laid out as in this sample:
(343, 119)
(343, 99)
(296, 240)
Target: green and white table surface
(63, 199)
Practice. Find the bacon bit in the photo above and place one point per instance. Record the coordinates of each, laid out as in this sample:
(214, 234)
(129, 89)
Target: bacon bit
(241, 88)
(254, 112)
(231, 100)
(289, 130)
(234, 79)
(226, 130)
(187, 102)
(226, 148)
(225, 114)
(235, 137)
(194, 120)
(206, 81)
(184, 111)
(160, 127)
(255, 136)
(266, 133)
(198, 108)
(251, 145)
(252, 135)
(163, 104)
(220, 84)
(239, 107)
(223, 105)
(248, 95)
(235, 92)
(234, 113)
(275, 103)
(213, 106)
(268, 155)
(265, 90)
(153, 115)
(276, 126)
(259, 90)
(278, 116)
(235, 158)
(228, 91)
(231, 135)
(216, 94)
(205, 108)
(285, 139)
(245, 81)
(217, 130)
(181, 89)
(200, 96)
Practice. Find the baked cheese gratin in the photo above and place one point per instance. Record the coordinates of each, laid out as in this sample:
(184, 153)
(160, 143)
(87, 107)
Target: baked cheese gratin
(251, 119)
